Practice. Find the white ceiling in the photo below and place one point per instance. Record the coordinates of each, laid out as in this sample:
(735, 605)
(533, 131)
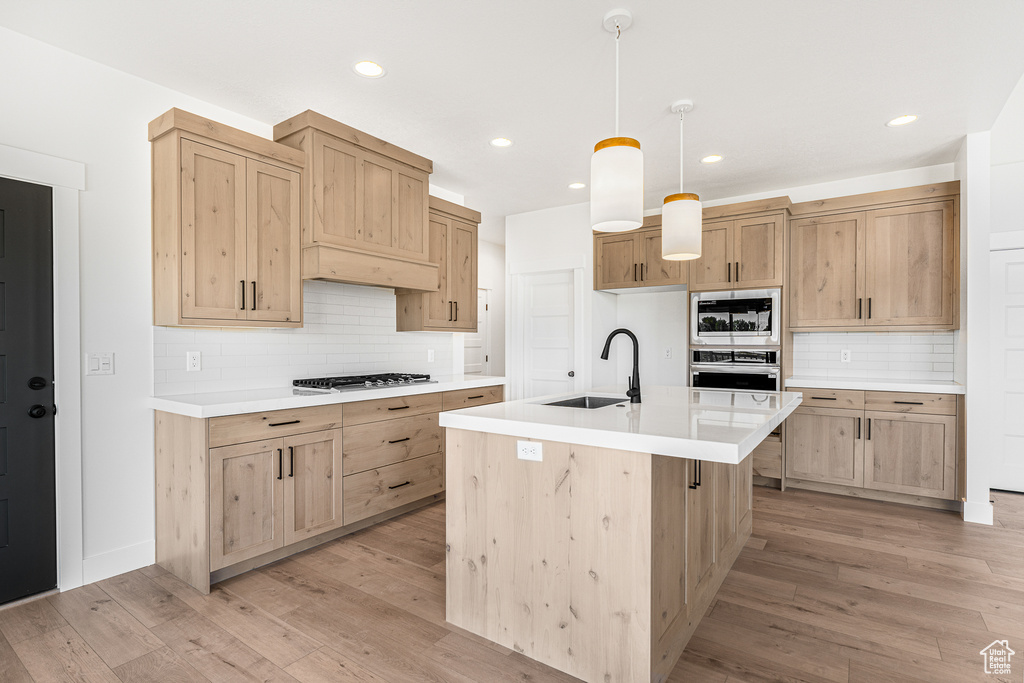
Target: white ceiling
(791, 92)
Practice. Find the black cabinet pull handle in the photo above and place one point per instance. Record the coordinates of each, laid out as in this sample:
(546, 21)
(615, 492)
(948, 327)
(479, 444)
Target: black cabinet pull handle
(472, 398)
(37, 411)
(824, 398)
(869, 308)
(37, 383)
(860, 306)
(243, 295)
(399, 408)
(282, 424)
(450, 309)
(858, 428)
(291, 457)
(399, 440)
(869, 429)
(456, 312)
(737, 271)
(910, 403)
(254, 295)
(728, 272)
(641, 272)
(696, 475)
(398, 486)
(280, 465)
(634, 272)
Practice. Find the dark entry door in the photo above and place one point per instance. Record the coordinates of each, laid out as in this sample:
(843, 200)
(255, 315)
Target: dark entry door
(28, 515)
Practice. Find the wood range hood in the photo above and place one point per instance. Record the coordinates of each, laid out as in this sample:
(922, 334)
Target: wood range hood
(364, 206)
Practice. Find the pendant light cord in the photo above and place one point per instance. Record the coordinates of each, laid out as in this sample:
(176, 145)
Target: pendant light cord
(618, 34)
(682, 115)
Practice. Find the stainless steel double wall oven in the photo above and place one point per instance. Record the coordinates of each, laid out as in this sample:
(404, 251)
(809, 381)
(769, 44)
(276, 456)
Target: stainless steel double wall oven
(735, 340)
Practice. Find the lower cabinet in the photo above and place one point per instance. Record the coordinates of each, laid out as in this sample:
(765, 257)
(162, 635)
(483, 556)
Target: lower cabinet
(281, 481)
(906, 444)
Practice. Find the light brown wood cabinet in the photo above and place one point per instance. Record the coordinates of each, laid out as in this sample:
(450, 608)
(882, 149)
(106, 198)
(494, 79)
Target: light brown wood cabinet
(226, 226)
(889, 268)
(453, 247)
(890, 442)
(364, 206)
(239, 491)
(741, 253)
(628, 260)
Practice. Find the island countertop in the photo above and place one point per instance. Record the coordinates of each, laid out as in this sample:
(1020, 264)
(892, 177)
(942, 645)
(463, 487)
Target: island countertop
(715, 425)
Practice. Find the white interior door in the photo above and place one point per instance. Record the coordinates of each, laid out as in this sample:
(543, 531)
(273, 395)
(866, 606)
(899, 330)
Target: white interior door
(478, 344)
(1007, 316)
(548, 303)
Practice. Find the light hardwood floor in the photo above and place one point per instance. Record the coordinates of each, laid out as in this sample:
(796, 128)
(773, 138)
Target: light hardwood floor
(827, 589)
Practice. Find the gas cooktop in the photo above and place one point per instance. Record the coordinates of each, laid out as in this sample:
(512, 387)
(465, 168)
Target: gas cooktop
(351, 382)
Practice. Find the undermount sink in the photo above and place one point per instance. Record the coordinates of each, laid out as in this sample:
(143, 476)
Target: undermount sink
(587, 402)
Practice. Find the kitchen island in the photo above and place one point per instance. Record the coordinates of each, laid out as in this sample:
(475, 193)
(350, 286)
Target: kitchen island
(593, 540)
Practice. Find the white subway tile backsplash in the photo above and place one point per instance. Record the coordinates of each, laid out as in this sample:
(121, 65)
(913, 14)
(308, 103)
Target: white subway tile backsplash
(346, 329)
(896, 355)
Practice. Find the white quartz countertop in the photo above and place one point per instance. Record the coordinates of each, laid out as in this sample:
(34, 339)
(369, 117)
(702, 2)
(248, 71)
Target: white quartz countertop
(279, 398)
(716, 425)
(914, 386)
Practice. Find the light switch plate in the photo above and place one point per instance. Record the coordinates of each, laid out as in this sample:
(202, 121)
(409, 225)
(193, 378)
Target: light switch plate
(99, 363)
(530, 450)
(430, 355)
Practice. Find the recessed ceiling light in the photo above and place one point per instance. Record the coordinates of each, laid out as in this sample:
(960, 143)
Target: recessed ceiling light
(902, 120)
(577, 186)
(368, 69)
(711, 159)
(501, 142)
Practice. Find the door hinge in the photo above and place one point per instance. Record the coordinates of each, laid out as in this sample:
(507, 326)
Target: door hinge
(487, 307)
(486, 358)
(54, 409)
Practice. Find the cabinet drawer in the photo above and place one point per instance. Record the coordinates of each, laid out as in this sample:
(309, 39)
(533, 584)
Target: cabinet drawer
(831, 398)
(391, 408)
(925, 404)
(369, 493)
(232, 429)
(767, 458)
(377, 444)
(467, 398)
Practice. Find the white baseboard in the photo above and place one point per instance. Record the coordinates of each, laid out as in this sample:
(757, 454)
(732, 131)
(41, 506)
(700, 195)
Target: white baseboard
(130, 558)
(978, 513)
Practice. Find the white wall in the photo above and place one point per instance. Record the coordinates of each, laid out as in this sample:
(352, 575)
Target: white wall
(491, 276)
(1008, 163)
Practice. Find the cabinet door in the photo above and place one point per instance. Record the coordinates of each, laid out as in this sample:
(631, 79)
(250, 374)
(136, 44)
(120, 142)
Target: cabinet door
(726, 483)
(827, 445)
(213, 233)
(656, 270)
(377, 201)
(273, 237)
(616, 261)
(714, 268)
(438, 311)
(700, 531)
(411, 213)
(757, 252)
(337, 192)
(313, 488)
(908, 453)
(246, 504)
(826, 271)
(910, 266)
(463, 275)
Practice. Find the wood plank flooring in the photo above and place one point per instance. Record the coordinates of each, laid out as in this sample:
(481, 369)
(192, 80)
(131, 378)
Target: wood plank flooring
(828, 589)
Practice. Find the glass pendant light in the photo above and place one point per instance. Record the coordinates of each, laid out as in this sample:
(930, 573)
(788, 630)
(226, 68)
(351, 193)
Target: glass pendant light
(617, 167)
(681, 214)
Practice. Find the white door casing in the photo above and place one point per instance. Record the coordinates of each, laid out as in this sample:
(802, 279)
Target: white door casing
(478, 344)
(1007, 348)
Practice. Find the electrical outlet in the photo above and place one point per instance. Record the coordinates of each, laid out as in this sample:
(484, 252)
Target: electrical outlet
(430, 355)
(845, 356)
(193, 361)
(530, 450)
(668, 352)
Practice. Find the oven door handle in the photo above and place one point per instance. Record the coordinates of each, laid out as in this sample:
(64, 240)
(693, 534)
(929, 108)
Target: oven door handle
(769, 370)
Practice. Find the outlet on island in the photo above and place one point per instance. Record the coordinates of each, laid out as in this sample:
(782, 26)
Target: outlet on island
(530, 450)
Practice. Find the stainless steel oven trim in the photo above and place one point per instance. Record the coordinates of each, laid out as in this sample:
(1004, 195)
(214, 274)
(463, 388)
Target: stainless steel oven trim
(772, 339)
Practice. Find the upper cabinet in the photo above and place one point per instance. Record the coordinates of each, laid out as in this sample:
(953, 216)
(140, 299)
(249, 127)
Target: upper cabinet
(452, 245)
(742, 253)
(226, 220)
(626, 260)
(886, 268)
(364, 206)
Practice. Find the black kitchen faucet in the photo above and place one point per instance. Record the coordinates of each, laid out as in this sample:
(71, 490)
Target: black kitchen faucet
(634, 382)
